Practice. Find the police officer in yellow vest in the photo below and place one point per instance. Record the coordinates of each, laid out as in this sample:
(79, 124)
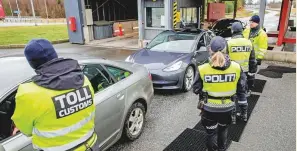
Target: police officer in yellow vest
(57, 106)
(241, 51)
(258, 37)
(216, 83)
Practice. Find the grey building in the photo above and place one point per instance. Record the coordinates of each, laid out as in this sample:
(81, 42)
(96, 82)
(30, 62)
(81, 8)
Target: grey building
(94, 18)
(155, 16)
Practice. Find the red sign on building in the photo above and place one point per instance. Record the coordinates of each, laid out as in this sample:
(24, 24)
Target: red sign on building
(215, 11)
(2, 14)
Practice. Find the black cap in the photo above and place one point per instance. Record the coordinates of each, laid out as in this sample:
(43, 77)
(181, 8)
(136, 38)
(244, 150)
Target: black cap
(255, 19)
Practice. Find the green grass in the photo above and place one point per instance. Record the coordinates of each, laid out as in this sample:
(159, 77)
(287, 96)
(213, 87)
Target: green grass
(23, 34)
(266, 12)
(240, 14)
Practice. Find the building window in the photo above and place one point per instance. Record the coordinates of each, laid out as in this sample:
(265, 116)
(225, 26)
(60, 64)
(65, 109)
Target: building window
(155, 17)
(189, 15)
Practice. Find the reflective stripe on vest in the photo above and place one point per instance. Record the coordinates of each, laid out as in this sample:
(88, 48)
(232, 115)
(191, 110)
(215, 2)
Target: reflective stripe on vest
(261, 52)
(221, 94)
(213, 105)
(64, 131)
(244, 64)
(69, 145)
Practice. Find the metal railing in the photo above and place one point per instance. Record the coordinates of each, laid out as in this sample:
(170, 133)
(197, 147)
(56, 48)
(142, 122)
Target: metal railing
(30, 19)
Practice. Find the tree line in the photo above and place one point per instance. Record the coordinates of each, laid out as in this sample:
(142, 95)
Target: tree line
(229, 5)
(55, 8)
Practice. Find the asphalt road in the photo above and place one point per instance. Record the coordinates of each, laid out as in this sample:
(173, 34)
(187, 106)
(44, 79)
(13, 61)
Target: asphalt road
(271, 126)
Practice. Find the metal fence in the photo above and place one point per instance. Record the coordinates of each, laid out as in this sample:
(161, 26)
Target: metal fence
(30, 19)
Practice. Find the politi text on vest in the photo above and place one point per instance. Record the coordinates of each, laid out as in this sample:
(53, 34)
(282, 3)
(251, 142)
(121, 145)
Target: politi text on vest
(240, 49)
(220, 78)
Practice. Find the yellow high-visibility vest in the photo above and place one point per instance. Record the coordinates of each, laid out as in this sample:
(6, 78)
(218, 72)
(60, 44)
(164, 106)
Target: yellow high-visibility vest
(260, 42)
(60, 119)
(239, 50)
(219, 84)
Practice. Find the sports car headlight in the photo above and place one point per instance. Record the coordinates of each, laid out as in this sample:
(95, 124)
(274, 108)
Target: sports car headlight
(174, 67)
(129, 59)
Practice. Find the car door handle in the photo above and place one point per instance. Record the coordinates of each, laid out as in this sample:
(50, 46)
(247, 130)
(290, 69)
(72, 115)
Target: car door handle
(120, 96)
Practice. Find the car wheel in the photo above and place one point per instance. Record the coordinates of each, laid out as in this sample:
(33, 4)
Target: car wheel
(188, 79)
(134, 122)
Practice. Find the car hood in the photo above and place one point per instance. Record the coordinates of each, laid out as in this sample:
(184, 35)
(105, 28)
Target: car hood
(157, 60)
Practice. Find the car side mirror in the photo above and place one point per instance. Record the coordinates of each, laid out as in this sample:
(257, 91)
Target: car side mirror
(202, 48)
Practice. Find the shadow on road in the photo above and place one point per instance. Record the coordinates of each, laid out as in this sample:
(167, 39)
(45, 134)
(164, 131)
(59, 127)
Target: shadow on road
(168, 92)
(276, 71)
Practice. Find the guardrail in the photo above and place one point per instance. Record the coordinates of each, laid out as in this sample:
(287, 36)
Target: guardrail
(30, 19)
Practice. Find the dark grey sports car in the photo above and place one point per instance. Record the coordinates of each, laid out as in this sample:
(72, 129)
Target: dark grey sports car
(172, 57)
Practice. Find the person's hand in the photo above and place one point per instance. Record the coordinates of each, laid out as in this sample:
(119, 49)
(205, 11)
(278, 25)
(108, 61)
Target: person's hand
(15, 130)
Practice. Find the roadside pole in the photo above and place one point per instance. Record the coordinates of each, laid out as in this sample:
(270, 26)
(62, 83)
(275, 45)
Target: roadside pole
(19, 13)
(10, 8)
(32, 5)
(46, 10)
(262, 12)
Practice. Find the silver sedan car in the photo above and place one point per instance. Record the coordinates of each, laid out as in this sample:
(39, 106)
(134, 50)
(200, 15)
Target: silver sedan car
(123, 92)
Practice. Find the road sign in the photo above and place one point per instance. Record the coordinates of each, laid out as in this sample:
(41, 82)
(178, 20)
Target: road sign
(16, 12)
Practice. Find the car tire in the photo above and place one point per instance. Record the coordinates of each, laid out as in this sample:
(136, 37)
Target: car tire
(128, 134)
(189, 71)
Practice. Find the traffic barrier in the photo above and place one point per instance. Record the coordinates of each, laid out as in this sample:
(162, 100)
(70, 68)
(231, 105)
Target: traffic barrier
(126, 27)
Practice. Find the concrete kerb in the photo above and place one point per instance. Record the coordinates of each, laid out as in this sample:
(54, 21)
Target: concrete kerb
(130, 35)
(14, 46)
(281, 56)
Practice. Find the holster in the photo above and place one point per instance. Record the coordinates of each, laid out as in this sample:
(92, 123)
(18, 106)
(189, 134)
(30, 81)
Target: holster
(233, 116)
(202, 100)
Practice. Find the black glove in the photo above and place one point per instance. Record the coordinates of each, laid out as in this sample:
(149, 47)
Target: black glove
(259, 61)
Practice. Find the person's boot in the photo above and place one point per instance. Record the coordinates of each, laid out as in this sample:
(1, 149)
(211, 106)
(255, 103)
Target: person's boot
(242, 115)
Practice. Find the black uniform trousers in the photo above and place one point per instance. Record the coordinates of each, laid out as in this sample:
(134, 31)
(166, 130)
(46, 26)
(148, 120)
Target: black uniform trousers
(250, 81)
(216, 125)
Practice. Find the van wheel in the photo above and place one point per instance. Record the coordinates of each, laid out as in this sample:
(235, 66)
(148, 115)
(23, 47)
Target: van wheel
(134, 122)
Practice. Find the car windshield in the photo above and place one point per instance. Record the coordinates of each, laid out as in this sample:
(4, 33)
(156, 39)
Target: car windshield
(173, 42)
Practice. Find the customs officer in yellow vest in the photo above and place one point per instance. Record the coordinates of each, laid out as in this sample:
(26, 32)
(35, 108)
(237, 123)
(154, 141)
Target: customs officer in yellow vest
(56, 107)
